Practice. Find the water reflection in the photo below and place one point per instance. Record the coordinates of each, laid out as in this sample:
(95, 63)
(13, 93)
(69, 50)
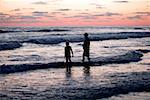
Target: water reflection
(69, 73)
(68, 70)
(86, 69)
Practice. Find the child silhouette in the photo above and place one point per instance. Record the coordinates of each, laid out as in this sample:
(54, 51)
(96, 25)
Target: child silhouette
(68, 51)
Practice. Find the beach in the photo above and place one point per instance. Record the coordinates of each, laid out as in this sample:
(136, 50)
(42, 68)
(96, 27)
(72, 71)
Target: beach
(32, 63)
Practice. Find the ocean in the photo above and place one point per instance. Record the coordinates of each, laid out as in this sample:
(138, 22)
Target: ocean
(31, 63)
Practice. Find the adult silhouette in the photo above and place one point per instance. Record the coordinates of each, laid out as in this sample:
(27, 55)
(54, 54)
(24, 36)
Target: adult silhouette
(86, 47)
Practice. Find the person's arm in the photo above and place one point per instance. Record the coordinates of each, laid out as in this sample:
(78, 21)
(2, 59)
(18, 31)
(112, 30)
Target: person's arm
(71, 51)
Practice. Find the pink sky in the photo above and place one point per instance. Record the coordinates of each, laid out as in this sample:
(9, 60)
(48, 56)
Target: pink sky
(74, 12)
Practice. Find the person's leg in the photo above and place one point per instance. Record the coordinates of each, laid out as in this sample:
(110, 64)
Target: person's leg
(88, 55)
(70, 59)
(66, 59)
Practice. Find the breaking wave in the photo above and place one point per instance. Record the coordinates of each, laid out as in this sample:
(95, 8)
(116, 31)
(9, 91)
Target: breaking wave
(55, 39)
(7, 44)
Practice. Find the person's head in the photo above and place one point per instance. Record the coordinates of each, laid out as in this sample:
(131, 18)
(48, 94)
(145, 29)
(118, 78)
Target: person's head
(86, 34)
(67, 43)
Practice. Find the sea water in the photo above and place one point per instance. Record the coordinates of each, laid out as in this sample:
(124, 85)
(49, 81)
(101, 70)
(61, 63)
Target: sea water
(124, 52)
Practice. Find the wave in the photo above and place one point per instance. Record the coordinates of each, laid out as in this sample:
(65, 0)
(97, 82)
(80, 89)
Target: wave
(131, 56)
(48, 30)
(59, 38)
(9, 45)
(143, 51)
(42, 30)
(6, 31)
(55, 39)
(139, 28)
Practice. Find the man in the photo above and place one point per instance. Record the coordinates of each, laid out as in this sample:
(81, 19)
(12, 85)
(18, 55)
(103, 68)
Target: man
(86, 47)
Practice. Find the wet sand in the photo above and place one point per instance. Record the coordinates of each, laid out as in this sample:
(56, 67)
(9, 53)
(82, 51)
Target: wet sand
(77, 83)
(130, 96)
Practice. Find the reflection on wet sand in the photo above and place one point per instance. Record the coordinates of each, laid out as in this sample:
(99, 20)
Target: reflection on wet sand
(68, 70)
(86, 69)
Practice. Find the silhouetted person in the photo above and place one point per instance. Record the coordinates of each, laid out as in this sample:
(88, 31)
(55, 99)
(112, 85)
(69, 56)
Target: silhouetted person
(86, 47)
(68, 51)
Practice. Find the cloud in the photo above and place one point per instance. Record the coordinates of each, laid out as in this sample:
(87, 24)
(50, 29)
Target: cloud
(82, 16)
(89, 17)
(27, 17)
(18, 13)
(63, 9)
(93, 16)
(50, 16)
(55, 0)
(111, 14)
(121, 1)
(19, 16)
(7, 17)
(40, 3)
(22, 21)
(39, 13)
(28, 8)
(139, 15)
(15, 9)
(84, 13)
(97, 5)
(3, 14)
(108, 14)
(143, 13)
(15, 17)
(135, 17)
(56, 12)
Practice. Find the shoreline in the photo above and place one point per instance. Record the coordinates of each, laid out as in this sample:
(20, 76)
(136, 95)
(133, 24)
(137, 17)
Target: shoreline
(132, 56)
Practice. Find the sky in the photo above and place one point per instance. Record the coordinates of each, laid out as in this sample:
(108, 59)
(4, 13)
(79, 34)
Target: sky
(74, 12)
